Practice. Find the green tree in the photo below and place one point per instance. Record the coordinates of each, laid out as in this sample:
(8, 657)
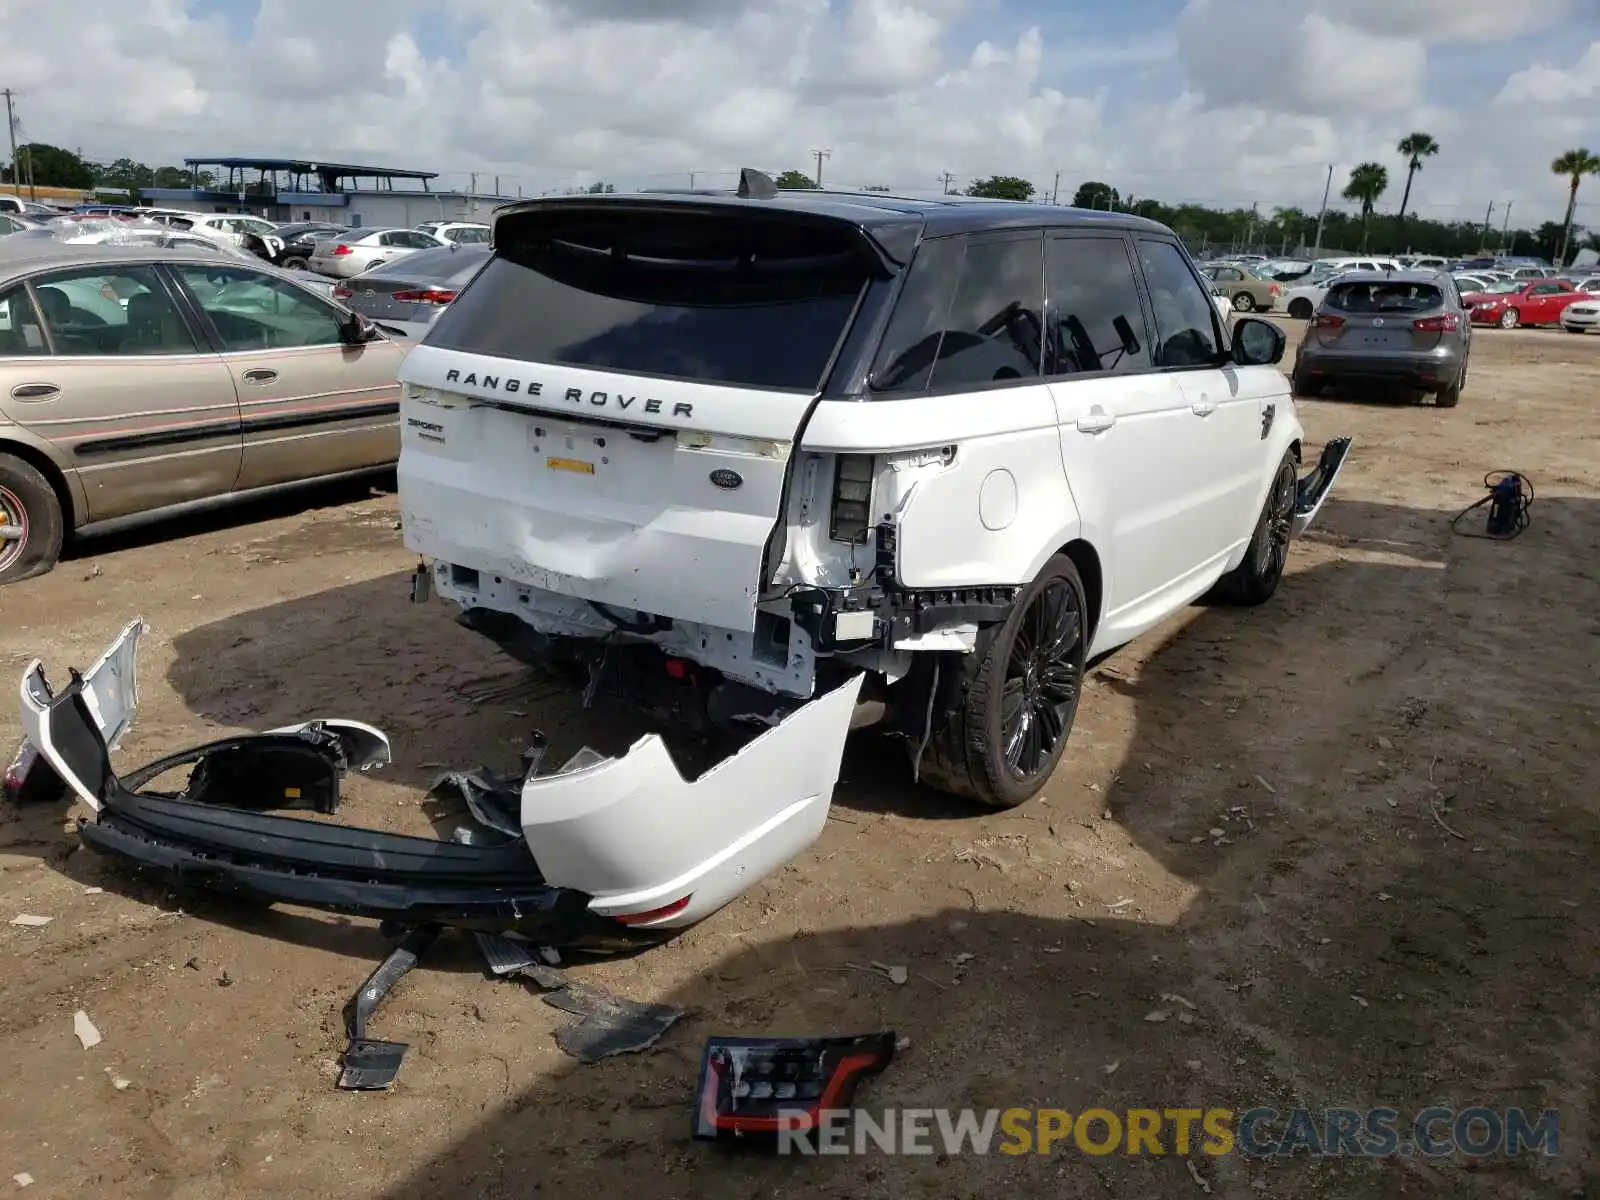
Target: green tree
(124, 173)
(1002, 187)
(600, 189)
(51, 167)
(1095, 194)
(1367, 182)
(172, 177)
(795, 181)
(1574, 164)
(1414, 147)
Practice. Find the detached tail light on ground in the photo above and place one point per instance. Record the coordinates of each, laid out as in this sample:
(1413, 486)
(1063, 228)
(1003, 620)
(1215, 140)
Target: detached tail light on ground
(426, 296)
(764, 1087)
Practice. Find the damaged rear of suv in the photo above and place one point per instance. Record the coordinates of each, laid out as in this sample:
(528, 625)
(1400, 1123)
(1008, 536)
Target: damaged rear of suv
(731, 456)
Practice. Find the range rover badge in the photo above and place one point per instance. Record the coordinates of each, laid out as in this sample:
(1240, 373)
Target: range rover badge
(727, 480)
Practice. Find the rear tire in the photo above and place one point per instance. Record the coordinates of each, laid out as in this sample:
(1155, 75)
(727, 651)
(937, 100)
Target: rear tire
(1510, 319)
(1019, 697)
(1300, 309)
(1255, 579)
(1244, 302)
(293, 264)
(27, 504)
(1301, 386)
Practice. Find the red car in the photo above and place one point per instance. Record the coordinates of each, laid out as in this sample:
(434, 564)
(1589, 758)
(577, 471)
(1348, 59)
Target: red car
(1522, 302)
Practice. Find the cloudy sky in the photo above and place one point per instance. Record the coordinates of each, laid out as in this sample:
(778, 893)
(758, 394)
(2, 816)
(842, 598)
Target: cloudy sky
(1218, 101)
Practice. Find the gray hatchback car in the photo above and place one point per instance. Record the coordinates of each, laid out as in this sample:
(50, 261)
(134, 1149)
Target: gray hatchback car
(1406, 328)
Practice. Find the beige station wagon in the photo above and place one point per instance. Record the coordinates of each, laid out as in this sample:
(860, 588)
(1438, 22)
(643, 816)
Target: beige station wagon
(136, 383)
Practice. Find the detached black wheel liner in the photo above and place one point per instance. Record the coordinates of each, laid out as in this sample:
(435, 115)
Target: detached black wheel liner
(1018, 697)
(31, 523)
(1255, 579)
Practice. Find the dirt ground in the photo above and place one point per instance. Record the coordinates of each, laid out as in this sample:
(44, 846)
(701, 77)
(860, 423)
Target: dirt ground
(1355, 830)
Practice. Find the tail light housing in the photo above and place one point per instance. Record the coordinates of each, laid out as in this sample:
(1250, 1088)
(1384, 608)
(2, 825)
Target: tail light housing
(343, 292)
(1276, 290)
(1448, 323)
(425, 296)
(1327, 321)
(851, 508)
(653, 914)
(765, 1086)
(342, 249)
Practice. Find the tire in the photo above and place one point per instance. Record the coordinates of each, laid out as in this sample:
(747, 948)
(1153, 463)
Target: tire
(1510, 319)
(1255, 579)
(293, 264)
(967, 754)
(28, 503)
(1449, 397)
(1301, 386)
(1570, 329)
(1244, 302)
(1300, 309)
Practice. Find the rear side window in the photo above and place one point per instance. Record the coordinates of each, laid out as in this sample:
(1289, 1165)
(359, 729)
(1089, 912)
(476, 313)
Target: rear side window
(1379, 296)
(1096, 322)
(714, 297)
(972, 315)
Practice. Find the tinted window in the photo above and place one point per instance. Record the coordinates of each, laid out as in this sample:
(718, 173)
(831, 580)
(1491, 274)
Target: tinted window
(1095, 321)
(468, 237)
(905, 359)
(1185, 317)
(753, 302)
(111, 311)
(19, 324)
(252, 311)
(1546, 289)
(1384, 297)
(992, 332)
(437, 263)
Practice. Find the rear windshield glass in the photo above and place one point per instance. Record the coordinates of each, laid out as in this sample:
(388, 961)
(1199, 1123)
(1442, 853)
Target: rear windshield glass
(442, 263)
(1384, 296)
(708, 296)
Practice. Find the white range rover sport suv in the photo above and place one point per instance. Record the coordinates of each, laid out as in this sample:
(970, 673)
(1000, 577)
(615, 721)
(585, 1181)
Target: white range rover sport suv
(797, 462)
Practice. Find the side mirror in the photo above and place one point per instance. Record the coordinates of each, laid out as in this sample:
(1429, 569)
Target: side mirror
(358, 331)
(1257, 343)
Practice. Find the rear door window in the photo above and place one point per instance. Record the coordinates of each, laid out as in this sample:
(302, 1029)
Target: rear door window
(712, 297)
(1095, 321)
(112, 311)
(993, 332)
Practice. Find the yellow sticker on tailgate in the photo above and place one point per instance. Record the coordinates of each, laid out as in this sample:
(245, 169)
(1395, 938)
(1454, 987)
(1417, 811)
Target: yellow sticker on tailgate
(570, 464)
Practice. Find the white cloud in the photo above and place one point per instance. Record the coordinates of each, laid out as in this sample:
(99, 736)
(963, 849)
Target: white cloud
(1228, 103)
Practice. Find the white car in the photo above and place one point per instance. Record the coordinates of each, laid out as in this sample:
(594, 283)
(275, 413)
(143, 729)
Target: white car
(464, 233)
(910, 462)
(346, 255)
(221, 227)
(1305, 299)
(1581, 316)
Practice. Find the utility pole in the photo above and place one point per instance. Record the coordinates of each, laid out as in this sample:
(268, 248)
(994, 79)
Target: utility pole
(1322, 213)
(946, 180)
(1505, 225)
(819, 155)
(1250, 229)
(1055, 191)
(1483, 238)
(11, 126)
(691, 181)
(472, 194)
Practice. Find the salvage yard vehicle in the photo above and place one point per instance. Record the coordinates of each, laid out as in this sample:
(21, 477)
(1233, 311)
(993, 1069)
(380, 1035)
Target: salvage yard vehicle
(1523, 302)
(1246, 290)
(777, 465)
(1407, 327)
(350, 253)
(136, 382)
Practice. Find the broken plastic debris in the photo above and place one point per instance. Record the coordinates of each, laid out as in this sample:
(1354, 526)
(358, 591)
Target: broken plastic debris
(1111, 1067)
(95, 891)
(962, 959)
(902, 1043)
(896, 974)
(609, 1024)
(1194, 1173)
(84, 1028)
(508, 956)
(29, 921)
(1158, 1015)
(22, 1179)
(1358, 1000)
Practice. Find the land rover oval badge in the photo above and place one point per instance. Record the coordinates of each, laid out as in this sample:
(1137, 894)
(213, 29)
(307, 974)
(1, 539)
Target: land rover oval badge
(727, 480)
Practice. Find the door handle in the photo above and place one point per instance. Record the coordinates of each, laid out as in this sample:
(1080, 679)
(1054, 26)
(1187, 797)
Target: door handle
(1096, 420)
(34, 391)
(1203, 407)
(260, 375)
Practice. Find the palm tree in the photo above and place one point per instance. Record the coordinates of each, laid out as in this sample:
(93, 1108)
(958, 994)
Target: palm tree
(1367, 182)
(1574, 164)
(1415, 147)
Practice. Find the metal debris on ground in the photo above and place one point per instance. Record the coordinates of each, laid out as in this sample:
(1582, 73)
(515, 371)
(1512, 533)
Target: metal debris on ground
(369, 1064)
(84, 1028)
(608, 1023)
(510, 957)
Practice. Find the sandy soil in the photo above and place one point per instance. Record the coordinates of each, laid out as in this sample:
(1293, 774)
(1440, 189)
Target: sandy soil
(1399, 909)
